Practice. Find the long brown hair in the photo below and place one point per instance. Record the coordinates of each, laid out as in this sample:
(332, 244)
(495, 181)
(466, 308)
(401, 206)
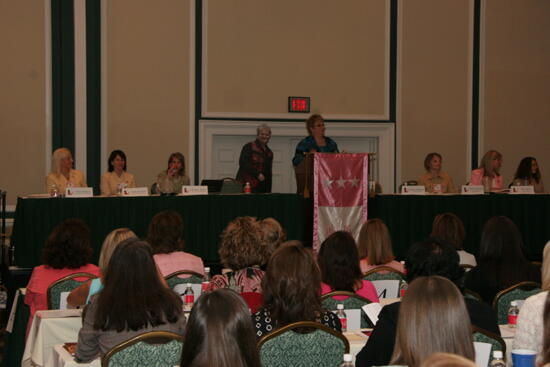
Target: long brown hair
(487, 163)
(432, 318)
(375, 242)
(220, 333)
(449, 227)
(292, 285)
(339, 262)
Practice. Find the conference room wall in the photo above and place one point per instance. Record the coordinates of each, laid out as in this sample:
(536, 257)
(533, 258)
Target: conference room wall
(22, 98)
(148, 82)
(516, 113)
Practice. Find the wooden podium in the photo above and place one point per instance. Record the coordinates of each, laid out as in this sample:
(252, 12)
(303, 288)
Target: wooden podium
(304, 176)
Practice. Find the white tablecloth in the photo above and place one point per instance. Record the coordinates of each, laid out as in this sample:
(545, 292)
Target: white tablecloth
(50, 328)
(61, 358)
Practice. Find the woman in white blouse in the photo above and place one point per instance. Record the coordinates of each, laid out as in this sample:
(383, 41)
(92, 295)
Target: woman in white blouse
(113, 181)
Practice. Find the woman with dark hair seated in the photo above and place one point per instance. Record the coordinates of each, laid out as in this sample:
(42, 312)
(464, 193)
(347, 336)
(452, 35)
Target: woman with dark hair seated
(291, 289)
(339, 264)
(432, 318)
(448, 227)
(432, 257)
(528, 174)
(116, 178)
(67, 251)
(501, 262)
(165, 236)
(242, 250)
(134, 300)
(219, 332)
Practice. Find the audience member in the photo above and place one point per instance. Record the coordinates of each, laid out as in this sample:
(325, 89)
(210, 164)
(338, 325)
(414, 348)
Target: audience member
(528, 174)
(172, 180)
(113, 181)
(219, 332)
(501, 262)
(291, 292)
(273, 234)
(165, 235)
(488, 172)
(339, 265)
(435, 180)
(62, 174)
(242, 251)
(544, 356)
(81, 295)
(448, 227)
(67, 251)
(431, 257)
(375, 247)
(134, 300)
(432, 318)
(530, 323)
(256, 161)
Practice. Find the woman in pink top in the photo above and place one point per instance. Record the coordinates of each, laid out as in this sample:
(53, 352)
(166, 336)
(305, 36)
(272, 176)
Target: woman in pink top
(339, 266)
(165, 236)
(488, 172)
(67, 251)
(375, 248)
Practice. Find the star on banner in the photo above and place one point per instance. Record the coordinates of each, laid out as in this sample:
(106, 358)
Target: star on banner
(327, 183)
(341, 182)
(354, 182)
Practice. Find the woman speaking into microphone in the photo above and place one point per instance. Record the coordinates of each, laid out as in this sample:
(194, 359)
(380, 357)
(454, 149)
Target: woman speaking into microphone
(171, 180)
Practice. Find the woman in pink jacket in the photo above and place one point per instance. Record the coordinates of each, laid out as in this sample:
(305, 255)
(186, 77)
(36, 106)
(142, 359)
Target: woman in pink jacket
(488, 172)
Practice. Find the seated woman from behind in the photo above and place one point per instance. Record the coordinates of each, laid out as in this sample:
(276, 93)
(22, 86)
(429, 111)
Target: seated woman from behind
(291, 291)
(81, 295)
(375, 247)
(219, 332)
(448, 227)
(339, 264)
(165, 235)
(432, 318)
(242, 251)
(134, 300)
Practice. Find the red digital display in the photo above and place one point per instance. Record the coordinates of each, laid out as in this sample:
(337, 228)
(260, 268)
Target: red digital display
(298, 104)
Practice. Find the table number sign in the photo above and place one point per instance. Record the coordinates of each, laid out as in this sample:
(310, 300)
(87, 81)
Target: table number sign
(135, 191)
(79, 192)
(413, 190)
(522, 190)
(472, 190)
(194, 190)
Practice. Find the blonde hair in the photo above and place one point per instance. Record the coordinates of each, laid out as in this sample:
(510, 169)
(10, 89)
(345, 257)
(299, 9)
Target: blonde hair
(57, 156)
(487, 163)
(375, 242)
(110, 243)
(545, 272)
(273, 234)
(446, 360)
(432, 318)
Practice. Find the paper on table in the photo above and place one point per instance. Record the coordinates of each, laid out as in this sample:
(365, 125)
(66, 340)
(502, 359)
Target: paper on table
(372, 310)
(483, 353)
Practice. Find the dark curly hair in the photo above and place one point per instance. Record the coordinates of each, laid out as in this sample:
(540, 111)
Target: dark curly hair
(165, 234)
(434, 257)
(339, 262)
(524, 170)
(68, 246)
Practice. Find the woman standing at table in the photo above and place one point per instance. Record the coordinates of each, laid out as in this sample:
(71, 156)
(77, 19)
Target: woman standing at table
(113, 181)
(62, 174)
(528, 174)
(171, 180)
(435, 180)
(134, 300)
(488, 172)
(316, 141)
(256, 161)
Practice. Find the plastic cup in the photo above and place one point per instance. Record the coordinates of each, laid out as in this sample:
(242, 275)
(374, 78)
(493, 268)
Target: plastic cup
(523, 358)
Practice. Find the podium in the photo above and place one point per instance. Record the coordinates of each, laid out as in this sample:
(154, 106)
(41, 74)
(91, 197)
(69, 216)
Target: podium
(304, 176)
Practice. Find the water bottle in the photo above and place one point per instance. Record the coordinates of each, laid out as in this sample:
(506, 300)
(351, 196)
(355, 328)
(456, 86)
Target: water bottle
(188, 298)
(498, 360)
(247, 188)
(342, 316)
(348, 361)
(206, 281)
(513, 312)
(403, 288)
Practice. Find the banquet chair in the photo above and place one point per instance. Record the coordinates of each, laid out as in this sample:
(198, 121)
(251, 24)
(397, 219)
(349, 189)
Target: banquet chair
(173, 279)
(303, 343)
(519, 291)
(472, 295)
(231, 186)
(386, 280)
(154, 348)
(484, 336)
(353, 302)
(65, 284)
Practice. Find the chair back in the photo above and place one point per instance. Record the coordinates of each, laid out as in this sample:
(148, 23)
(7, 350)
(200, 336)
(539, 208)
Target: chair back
(231, 186)
(285, 347)
(352, 302)
(386, 280)
(154, 348)
(64, 286)
(484, 336)
(472, 295)
(520, 291)
(192, 277)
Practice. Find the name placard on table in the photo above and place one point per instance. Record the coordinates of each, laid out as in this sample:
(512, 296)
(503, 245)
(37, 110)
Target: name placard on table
(522, 190)
(472, 190)
(135, 191)
(194, 190)
(413, 190)
(79, 192)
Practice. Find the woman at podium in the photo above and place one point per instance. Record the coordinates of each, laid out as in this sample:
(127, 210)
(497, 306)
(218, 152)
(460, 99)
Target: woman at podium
(316, 141)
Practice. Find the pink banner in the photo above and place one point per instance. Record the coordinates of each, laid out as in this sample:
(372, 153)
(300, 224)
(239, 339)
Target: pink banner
(340, 194)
